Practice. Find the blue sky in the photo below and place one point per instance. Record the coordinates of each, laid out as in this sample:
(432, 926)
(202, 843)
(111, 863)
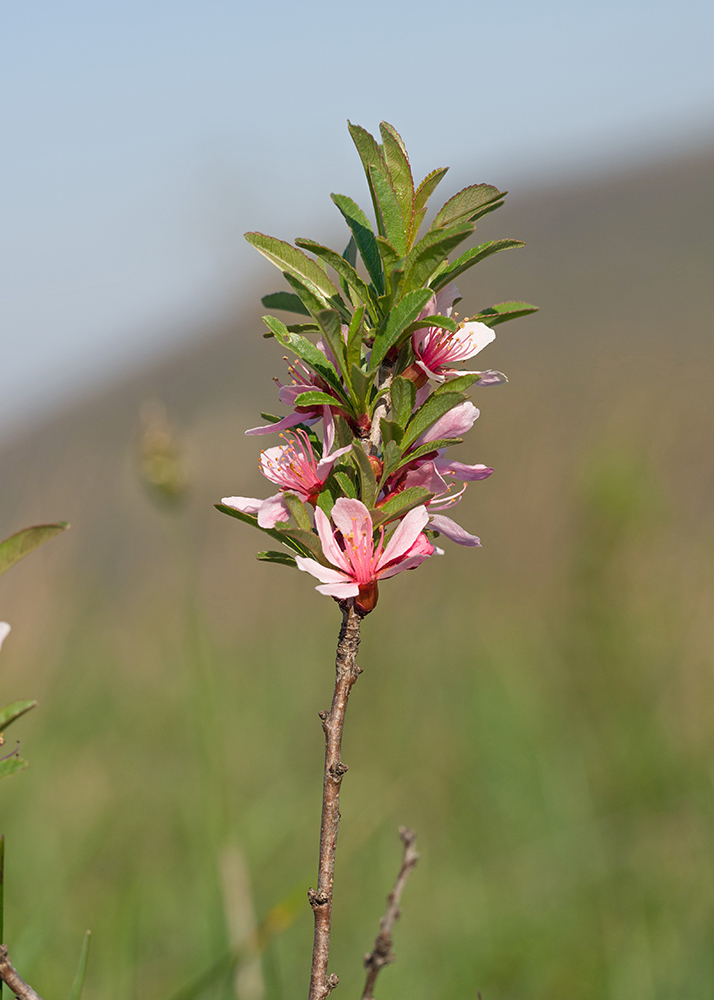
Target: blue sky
(142, 138)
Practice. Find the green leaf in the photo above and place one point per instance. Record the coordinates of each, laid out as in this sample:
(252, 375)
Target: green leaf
(78, 984)
(313, 303)
(346, 484)
(281, 558)
(360, 383)
(425, 190)
(430, 251)
(299, 328)
(440, 322)
(503, 311)
(285, 301)
(298, 510)
(426, 449)
(404, 313)
(400, 504)
(465, 203)
(367, 478)
(390, 259)
(458, 384)
(354, 338)
(350, 253)
(471, 257)
(393, 224)
(13, 549)
(391, 455)
(317, 398)
(371, 156)
(309, 541)
(397, 160)
(308, 352)
(364, 238)
(289, 258)
(340, 265)
(252, 520)
(403, 393)
(331, 327)
(391, 431)
(11, 766)
(14, 711)
(429, 412)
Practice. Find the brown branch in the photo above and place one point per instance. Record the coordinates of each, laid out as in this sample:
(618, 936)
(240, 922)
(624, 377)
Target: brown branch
(382, 953)
(346, 673)
(19, 987)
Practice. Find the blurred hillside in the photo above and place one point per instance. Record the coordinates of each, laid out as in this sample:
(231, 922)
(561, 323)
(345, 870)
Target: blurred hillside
(555, 735)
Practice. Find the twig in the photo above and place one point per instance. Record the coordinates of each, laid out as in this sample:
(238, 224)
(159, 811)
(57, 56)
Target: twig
(346, 673)
(382, 953)
(19, 987)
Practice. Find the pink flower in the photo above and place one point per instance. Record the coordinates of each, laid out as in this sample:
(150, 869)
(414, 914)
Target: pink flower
(303, 380)
(360, 564)
(430, 475)
(437, 350)
(295, 469)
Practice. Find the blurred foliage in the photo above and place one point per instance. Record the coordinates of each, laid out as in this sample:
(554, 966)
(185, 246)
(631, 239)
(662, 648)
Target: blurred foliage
(554, 738)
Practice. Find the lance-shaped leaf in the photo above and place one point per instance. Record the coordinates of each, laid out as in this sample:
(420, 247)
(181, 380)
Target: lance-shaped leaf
(340, 265)
(14, 711)
(426, 449)
(397, 160)
(423, 193)
(391, 455)
(440, 322)
(466, 203)
(503, 311)
(13, 549)
(429, 412)
(354, 338)
(399, 318)
(364, 238)
(298, 510)
(252, 520)
(79, 976)
(313, 397)
(429, 252)
(400, 504)
(331, 328)
(281, 558)
(371, 156)
(345, 483)
(294, 261)
(471, 257)
(391, 260)
(402, 393)
(360, 383)
(308, 352)
(367, 478)
(391, 431)
(285, 301)
(313, 303)
(12, 765)
(298, 328)
(458, 384)
(393, 226)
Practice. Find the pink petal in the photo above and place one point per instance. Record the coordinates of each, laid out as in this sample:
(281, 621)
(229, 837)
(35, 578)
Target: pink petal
(322, 573)
(489, 377)
(330, 547)
(325, 464)
(466, 473)
(446, 298)
(405, 536)
(351, 516)
(427, 476)
(422, 395)
(246, 505)
(281, 425)
(287, 394)
(437, 376)
(481, 335)
(339, 590)
(452, 530)
(453, 424)
(4, 630)
(328, 436)
(272, 510)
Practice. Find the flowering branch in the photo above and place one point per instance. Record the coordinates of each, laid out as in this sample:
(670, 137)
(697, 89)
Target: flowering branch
(21, 989)
(346, 673)
(382, 953)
